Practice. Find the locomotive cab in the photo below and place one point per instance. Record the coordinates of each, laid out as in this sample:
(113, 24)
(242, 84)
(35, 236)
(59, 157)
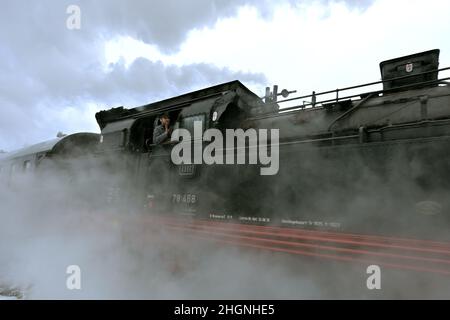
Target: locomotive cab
(128, 135)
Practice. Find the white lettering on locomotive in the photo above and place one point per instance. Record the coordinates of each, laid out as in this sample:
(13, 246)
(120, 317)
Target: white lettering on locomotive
(213, 153)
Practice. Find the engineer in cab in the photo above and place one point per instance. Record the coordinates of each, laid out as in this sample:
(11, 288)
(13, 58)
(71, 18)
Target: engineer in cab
(162, 132)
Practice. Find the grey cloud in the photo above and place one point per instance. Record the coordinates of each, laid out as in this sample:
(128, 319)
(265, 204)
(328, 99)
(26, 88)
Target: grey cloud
(153, 79)
(44, 67)
(167, 23)
(164, 23)
(30, 113)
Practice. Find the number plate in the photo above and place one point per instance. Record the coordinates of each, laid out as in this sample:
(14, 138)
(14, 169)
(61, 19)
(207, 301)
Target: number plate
(184, 198)
(185, 203)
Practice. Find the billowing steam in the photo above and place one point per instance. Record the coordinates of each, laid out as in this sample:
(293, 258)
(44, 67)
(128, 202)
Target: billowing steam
(49, 223)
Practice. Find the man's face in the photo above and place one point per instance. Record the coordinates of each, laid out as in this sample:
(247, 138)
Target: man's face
(165, 121)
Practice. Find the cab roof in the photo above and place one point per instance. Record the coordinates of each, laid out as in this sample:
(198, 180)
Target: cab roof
(121, 113)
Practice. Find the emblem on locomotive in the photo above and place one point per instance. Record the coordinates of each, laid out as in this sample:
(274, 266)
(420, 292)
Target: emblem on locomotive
(409, 67)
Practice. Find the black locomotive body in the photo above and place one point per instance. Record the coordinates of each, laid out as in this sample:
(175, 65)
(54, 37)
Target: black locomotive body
(375, 162)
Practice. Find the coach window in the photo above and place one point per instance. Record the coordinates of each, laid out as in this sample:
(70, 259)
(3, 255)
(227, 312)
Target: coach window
(27, 166)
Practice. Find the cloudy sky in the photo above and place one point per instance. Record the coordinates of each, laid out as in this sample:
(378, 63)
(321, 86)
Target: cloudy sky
(134, 52)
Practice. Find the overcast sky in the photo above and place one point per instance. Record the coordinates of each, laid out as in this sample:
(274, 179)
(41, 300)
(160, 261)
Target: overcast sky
(134, 52)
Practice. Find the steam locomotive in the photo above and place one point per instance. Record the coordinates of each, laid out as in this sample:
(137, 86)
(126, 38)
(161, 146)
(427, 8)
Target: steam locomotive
(376, 162)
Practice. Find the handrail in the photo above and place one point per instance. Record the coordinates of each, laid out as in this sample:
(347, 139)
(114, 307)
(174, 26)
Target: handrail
(337, 91)
(366, 93)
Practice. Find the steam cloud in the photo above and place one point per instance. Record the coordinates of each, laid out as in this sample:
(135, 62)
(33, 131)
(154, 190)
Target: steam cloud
(49, 223)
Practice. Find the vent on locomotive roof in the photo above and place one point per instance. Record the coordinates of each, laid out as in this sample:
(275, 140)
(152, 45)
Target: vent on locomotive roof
(410, 65)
